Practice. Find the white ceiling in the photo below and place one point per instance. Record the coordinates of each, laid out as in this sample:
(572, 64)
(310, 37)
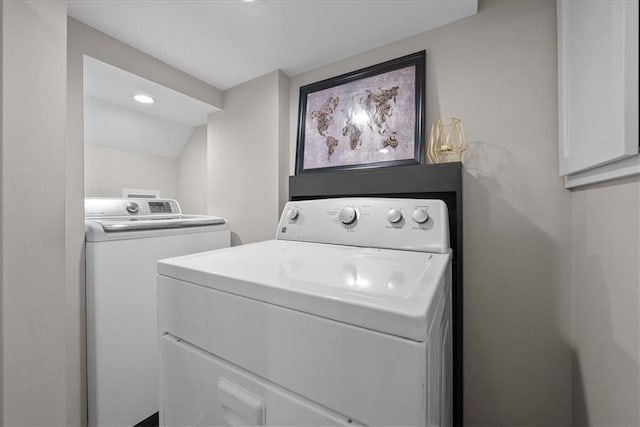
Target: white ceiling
(117, 86)
(112, 125)
(227, 42)
(114, 119)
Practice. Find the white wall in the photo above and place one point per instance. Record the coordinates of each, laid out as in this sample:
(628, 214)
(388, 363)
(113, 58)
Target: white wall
(33, 213)
(109, 170)
(1, 214)
(243, 158)
(497, 71)
(192, 173)
(605, 285)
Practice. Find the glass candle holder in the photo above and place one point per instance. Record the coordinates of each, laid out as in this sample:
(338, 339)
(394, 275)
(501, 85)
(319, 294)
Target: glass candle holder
(446, 141)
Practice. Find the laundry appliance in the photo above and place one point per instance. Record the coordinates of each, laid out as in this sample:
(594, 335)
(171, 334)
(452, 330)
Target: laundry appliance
(124, 240)
(343, 319)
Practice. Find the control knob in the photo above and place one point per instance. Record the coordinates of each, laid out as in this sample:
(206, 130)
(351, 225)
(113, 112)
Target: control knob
(292, 214)
(348, 215)
(420, 215)
(132, 208)
(394, 216)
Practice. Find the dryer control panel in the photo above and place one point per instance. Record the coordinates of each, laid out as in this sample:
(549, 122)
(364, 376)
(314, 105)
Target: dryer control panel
(406, 224)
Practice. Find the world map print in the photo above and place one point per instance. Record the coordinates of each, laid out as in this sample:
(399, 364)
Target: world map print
(366, 121)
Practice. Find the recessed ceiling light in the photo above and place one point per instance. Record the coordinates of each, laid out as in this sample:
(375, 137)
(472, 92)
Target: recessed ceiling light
(144, 99)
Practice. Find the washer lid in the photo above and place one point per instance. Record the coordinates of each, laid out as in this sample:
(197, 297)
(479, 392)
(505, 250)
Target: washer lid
(181, 221)
(105, 229)
(390, 291)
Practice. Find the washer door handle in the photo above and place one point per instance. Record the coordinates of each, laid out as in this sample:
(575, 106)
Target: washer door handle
(239, 406)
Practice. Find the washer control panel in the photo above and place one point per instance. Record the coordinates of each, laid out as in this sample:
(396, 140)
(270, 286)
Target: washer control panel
(407, 224)
(108, 207)
(132, 208)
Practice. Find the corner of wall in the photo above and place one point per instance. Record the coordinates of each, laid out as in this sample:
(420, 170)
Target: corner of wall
(247, 133)
(1, 239)
(192, 173)
(76, 411)
(283, 139)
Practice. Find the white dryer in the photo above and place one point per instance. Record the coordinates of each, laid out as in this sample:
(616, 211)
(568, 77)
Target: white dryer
(124, 240)
(343, 319)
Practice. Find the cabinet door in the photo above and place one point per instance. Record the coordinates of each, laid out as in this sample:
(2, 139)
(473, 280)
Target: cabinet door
(597, 82)
(200, 389)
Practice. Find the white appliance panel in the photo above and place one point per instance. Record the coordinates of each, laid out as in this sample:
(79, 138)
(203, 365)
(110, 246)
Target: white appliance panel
(102, 207)
(407, 224)
(122, 320)
(204, 390)
(385, 290)
(135, 228)
(356, 372)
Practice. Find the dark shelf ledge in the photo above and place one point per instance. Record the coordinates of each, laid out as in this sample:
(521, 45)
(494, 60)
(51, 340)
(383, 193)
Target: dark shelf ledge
(445, 177)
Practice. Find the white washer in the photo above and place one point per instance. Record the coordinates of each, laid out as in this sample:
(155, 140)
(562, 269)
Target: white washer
(344, 319)
(124, 240)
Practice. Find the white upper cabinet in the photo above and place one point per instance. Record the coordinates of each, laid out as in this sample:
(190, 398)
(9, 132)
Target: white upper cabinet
(597, 83)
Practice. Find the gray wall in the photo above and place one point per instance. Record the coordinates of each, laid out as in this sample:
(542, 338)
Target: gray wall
(243, 157)
(1, 214)
(605, 282)
(192, 173)
(497, 71)
(283, 140)
(33, 183)
(109, 170)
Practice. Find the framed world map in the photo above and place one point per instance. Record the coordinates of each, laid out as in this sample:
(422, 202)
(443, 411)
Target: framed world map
(372, 117)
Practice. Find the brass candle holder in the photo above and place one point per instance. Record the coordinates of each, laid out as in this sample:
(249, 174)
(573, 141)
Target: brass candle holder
(446, 141)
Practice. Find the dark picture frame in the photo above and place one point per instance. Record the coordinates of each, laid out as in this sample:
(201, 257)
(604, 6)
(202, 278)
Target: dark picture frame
(368, 118)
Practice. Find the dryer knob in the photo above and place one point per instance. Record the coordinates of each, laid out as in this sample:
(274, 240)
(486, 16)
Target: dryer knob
(132, 208)
(348, 215)
(420, 215)
(292, 214)
(394, 216)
